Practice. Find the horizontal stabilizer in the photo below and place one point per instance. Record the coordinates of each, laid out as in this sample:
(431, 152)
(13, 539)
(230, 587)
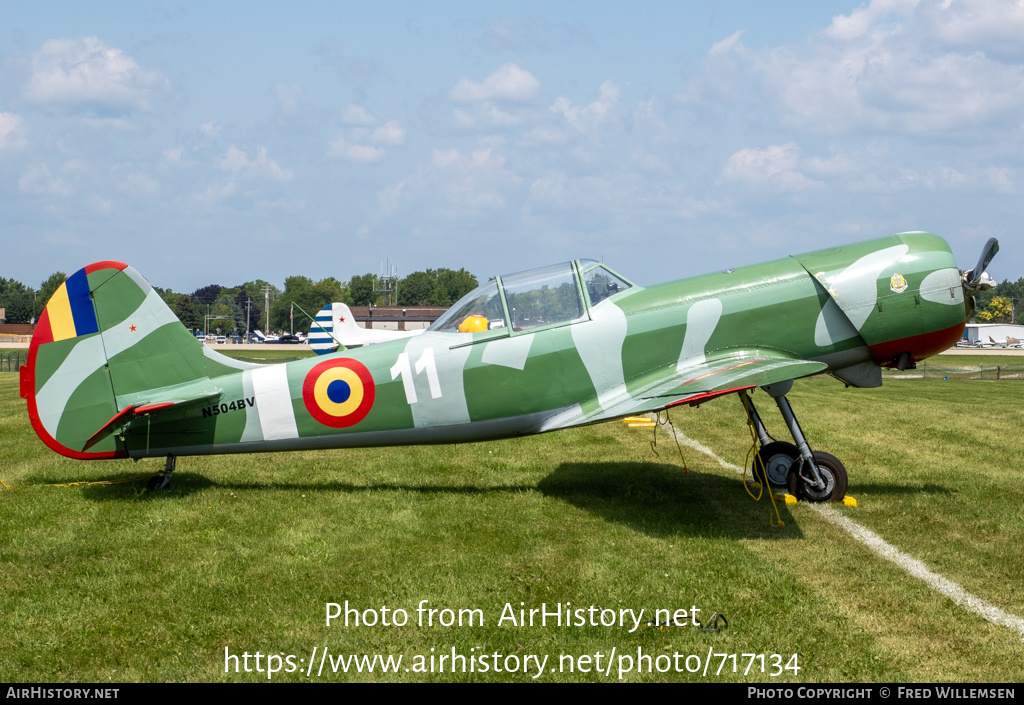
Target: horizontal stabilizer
(156, 401)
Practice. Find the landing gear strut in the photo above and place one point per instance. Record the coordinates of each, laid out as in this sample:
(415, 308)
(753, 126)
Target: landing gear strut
(810, 475)
(163, 480)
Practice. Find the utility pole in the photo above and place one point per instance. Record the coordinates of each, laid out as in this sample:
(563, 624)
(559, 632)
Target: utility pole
(266, 305)
(248, 306)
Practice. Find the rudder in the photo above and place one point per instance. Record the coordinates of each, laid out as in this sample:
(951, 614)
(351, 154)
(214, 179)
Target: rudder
(104, 337)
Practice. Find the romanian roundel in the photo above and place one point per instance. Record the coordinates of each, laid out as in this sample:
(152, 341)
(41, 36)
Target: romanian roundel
(338, 393)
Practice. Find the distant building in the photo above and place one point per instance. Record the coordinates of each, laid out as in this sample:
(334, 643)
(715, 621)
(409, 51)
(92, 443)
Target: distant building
(3, 315)
(976, 333)
(15, 332)
(396, 317)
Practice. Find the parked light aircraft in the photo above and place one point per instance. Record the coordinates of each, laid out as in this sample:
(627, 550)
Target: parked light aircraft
(285, 338)
(1007, 342)
(335, 325)
(112, 373)
(263, 338)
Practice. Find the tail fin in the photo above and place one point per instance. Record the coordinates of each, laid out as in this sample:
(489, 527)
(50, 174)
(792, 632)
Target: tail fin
(333, 323)
(344, 321)
(107, 347)
(321, 331)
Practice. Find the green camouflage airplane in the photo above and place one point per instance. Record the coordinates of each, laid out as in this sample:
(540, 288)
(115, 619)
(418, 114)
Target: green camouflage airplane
(112, 373)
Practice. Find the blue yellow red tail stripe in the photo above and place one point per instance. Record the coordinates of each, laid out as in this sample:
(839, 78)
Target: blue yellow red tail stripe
(70, 309)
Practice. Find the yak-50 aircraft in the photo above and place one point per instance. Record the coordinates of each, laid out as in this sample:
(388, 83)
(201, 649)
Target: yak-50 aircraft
(112, 373)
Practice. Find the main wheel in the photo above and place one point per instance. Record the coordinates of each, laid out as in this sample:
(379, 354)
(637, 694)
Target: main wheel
(778, 458)
(831, 471)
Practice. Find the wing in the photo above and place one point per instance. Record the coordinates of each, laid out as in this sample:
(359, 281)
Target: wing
(715, 376)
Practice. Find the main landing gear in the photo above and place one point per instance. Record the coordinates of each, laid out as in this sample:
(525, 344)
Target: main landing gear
(163, 480)
(810, 475)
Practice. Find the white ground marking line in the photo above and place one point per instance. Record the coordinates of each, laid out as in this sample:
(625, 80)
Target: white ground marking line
(919, 570)
(886, 550)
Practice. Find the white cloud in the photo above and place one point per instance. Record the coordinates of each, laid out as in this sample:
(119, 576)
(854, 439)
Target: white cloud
(545, 135)
(289, 97)
(596, 114)
(508, 83)
(390, 133)
(357, 115)
(112, 123)
(867, 18)
(210, 129)
(647, 121)
(478, 159)
(774, 165)
(487, 115)
(911, 67)
(12, 133)
(359, 153)
(128, 179)
(38, 180)
(357, 142)
(995, 25)
(237, 160)
(901, 66)
(456, 185)
(87, 75)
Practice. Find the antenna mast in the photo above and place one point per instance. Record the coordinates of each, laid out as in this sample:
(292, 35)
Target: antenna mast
(387, 283)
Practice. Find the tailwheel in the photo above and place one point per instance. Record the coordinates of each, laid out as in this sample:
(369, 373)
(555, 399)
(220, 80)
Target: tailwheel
(833, 474)
(777, 458)
(159, 482)
(163, 480)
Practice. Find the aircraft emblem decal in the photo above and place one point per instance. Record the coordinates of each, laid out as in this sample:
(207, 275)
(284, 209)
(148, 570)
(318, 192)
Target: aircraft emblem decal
(853, 289)
(338, 393)
(898, 283)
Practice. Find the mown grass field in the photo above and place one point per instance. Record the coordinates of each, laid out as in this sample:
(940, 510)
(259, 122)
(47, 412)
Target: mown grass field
(113, 583)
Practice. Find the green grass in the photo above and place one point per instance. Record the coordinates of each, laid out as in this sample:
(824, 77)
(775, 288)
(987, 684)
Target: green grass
(987, 366)
(286, 353)
(114, 583)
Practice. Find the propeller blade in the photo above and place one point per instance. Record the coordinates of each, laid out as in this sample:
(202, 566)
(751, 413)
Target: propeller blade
(989, 251)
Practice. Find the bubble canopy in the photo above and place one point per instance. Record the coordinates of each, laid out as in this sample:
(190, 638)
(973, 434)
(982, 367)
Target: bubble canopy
(558, 294)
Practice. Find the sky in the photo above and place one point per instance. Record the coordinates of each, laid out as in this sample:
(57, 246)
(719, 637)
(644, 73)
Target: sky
(231, 141)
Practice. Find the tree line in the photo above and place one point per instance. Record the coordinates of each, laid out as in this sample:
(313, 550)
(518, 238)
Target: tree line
(1001, 304)
(239, 308)
(432, 287)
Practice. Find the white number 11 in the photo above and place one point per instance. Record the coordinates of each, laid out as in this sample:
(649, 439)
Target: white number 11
(403, 369)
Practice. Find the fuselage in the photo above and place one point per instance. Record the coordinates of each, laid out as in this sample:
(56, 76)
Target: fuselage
(853, 308)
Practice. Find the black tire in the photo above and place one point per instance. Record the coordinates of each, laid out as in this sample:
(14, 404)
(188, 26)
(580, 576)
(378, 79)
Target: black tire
(832, 472)
(159, 482)
(779, 458)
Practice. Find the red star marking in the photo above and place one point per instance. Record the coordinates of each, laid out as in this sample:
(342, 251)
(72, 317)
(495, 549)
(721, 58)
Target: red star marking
(342, 320)
(133, 329)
